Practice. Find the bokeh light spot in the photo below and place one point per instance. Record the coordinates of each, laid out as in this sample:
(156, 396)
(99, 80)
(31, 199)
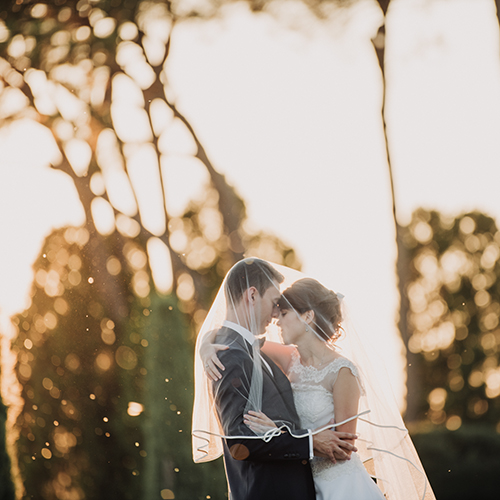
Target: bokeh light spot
(82, 33)
(126, 358)
(453, 423)
(47, 383)
(103, 361)
(72, 362)
(134, 410)
(104, 27)
(128, 31)
(437, 399)
(61, 306)
(185, 287)
(239, 451)
(140, 283)
(64, 440)
(39, 10)
(113, 266)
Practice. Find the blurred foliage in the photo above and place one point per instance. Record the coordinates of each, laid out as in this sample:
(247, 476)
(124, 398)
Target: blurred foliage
(72, 426)
(453, 289)
(461, 464)
(108, 404)
(108, 401)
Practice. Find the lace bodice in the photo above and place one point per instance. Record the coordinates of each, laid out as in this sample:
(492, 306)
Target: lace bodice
(312, 393)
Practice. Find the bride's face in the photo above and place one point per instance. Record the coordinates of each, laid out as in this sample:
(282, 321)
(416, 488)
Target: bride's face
(291, 325)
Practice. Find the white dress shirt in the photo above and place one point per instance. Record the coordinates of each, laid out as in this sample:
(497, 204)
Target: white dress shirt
(249, 337)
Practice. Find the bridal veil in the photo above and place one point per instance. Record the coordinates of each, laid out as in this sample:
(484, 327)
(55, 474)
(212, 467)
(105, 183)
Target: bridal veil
(384, 444)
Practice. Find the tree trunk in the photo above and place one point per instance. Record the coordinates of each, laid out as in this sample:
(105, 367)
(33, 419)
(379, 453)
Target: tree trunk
(402, 260)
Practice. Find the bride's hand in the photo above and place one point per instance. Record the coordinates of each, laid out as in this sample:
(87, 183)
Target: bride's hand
(211, 362)
(258, 422)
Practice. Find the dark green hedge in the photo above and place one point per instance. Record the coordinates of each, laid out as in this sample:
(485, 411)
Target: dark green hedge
(462, 464)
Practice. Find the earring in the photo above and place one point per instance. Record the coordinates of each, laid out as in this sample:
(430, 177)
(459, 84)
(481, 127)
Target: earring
(307, 328)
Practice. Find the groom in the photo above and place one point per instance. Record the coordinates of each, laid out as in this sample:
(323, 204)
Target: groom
(255, 469)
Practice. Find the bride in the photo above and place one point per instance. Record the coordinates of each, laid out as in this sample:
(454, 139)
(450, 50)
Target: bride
(316, 344)
(325, 384)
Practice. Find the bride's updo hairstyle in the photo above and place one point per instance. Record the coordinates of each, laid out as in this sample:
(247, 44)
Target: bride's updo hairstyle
(307, 294)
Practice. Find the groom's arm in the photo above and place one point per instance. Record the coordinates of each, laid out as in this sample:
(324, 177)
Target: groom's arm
(231, 395)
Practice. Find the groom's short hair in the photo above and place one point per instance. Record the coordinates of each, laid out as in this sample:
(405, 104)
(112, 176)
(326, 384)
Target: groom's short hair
(247, 273)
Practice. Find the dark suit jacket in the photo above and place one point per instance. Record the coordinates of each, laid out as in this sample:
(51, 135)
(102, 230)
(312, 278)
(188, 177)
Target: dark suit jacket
(256, 470)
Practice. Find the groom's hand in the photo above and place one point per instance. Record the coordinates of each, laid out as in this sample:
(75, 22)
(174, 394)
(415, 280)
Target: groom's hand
(333, 445)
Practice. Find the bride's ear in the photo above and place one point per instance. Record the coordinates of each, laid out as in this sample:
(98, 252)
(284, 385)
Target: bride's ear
(308, 317)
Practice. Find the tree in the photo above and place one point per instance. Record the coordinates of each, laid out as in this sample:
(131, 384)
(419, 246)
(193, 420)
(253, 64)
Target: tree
(413, 381)
(454, 296)
(97, 419)
(98, 340)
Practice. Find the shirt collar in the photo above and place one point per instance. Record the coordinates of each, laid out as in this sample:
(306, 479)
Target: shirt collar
(246, 334)
(249, 337)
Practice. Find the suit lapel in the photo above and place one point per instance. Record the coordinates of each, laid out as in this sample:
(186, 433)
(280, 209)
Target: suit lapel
(278, 378)
(282, 384)
(244, 344)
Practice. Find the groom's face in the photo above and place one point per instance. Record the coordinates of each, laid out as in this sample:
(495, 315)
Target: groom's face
(268, 306)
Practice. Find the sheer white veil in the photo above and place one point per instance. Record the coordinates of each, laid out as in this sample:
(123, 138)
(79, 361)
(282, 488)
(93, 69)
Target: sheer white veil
(384, 443)
(207, 445)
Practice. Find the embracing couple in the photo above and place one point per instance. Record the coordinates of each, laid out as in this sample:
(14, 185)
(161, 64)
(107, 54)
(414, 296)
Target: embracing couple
(285, 414)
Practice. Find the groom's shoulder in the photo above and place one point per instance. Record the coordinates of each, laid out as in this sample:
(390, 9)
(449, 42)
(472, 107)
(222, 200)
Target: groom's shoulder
(237, 351)
(227, 336)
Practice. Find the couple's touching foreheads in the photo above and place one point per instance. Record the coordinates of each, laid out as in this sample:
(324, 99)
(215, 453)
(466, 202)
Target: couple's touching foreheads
(286, 391)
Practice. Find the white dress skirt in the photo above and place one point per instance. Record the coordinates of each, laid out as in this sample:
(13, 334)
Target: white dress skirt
(347, 480)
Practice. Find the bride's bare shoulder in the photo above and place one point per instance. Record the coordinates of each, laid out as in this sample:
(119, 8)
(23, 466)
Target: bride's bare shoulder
(281, 354)
(275, 348)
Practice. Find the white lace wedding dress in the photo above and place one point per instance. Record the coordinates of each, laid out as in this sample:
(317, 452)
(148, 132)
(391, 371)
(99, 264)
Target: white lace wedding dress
(347, 480)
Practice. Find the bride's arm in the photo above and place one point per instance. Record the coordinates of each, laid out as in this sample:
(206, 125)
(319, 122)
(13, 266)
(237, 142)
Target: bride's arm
(208, 354)
(281, 354)
(345, 400)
